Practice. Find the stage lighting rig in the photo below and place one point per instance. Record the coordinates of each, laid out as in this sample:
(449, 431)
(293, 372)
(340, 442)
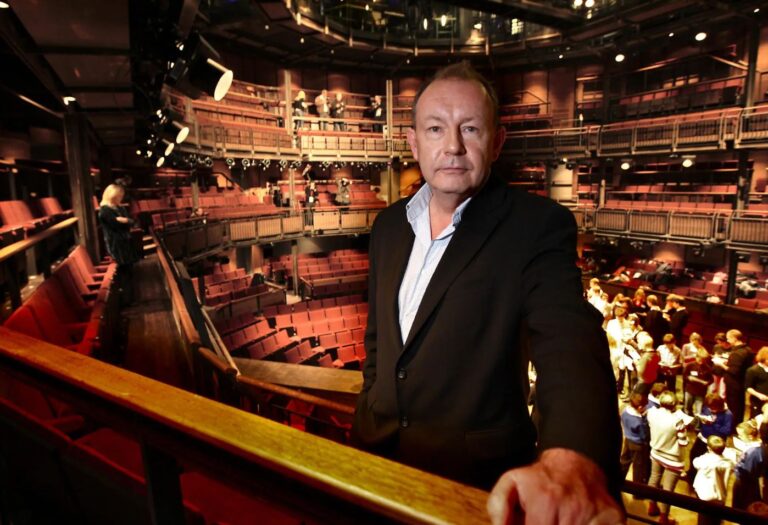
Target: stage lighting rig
(197, 69)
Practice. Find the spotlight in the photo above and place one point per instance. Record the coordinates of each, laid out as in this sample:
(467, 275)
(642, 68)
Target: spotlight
(589, 4)
(700, 36)
(478, 25)
(198, 70)
(168, 147)
(246, 163)
(425, 24)
(208, 162)
(687, 163)
(69, 100)
(160, 162)
(671, 34)
(756, 10)
(443, 20)
(578, 3)
(619, 57)
(560, 56)
(4, 5)
(230, 162)
(625, 165)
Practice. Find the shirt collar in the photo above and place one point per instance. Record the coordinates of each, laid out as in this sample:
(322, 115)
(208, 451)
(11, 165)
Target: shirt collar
(419, 204)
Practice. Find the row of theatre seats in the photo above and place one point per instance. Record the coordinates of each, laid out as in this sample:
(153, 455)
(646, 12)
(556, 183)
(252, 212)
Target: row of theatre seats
(223, 287)
(725, 92)
(326, 332)
(310, 264)
(96, 475)
(360, 193)
(19, 219)
(72, 308)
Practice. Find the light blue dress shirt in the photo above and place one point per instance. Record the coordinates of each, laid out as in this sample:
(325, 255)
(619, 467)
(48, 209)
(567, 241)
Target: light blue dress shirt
(425, 256)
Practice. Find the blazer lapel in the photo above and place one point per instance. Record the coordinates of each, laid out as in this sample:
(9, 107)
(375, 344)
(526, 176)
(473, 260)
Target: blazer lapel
(479, 220)
(399, 248)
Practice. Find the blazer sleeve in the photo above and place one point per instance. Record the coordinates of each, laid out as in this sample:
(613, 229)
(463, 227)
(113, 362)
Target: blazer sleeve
(369, 369)
(575, 387)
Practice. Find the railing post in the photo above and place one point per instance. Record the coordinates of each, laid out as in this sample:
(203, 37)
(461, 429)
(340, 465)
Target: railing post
(166, 506)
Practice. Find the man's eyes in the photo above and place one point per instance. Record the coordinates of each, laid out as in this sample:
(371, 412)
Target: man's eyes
(465, 129)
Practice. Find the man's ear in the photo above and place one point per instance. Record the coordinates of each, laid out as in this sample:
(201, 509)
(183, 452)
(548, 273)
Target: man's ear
(411, 136)
(498, 141)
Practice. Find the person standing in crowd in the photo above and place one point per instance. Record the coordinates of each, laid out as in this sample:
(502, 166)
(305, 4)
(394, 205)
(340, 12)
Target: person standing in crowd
(630, 357)
(735, 368)
(636, 448)
(618, 331)
(116, 224)
(595, 294)
(639, 305)
(338, 107)
(310, 201)
(299, 107)
(678, 315)
(750, 468)
(692, 348)
(323, 108)
(722, 346)
(697, 376)
(655, 323)
(668, 439)
(756, 382)
(715, 420)
(713, 471)
(648, 366)
(670, 365)
(457, 270)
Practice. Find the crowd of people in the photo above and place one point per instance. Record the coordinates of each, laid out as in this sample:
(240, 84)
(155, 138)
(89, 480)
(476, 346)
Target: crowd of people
(333, 110)
(675, 390)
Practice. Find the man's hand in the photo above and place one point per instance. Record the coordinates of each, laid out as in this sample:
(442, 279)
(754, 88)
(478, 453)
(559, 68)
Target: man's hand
(562, 487)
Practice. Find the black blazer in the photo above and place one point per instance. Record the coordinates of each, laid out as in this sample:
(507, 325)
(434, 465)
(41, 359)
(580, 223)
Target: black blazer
(452, 399)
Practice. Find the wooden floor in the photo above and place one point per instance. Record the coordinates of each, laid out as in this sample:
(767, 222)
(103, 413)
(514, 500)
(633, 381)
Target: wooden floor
(152, 341)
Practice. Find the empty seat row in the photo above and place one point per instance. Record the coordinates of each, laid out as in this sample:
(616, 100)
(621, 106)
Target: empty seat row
(314, 304)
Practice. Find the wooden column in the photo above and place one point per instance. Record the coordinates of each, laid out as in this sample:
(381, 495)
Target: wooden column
(81, 187)
(295, 265)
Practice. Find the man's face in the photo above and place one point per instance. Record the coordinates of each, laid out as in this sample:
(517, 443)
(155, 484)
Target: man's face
(454, 139)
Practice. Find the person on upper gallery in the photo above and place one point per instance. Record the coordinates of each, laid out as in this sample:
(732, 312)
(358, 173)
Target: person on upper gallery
(469, 280)
(116, 224)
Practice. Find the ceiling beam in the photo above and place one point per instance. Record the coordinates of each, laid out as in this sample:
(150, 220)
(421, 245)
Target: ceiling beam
(536, 12)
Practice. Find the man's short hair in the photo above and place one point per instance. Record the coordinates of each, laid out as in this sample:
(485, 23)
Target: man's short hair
(461, 71)
(762, 355)
(657, 389)
(668, 338)
(736, 334)
(638, 400)
(652, 300)
(716, 444)
(679, 299)
(720, 337)
(714, 402)
(668, 400)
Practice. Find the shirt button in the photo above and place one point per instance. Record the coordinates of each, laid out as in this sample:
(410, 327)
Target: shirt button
(404, 422)
(402, 374)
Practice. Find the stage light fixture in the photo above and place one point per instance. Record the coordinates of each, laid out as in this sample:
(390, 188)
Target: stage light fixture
(4, 5)
(560, 56)
(425, 23)
(687, 162)
(160, 162)
(671, 34)
(578, 3)
(700, 36)
(171, 124)
(625, 165)
(168, 147)
(198, 70)
(619, 57)
(443, 20)
(589, 4)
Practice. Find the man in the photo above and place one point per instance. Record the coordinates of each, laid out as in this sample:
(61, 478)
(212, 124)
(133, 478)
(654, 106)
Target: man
(756, 382)
(655, 324)
(323, 109)
(338, 107)
(468, 279)
(678, 315)
(734, 373)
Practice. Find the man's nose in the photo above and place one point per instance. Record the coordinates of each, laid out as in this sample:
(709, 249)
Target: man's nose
(455, 142)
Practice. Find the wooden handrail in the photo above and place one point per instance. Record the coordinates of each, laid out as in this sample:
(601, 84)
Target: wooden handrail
(196, 429)
(25, 244)
(177, 299)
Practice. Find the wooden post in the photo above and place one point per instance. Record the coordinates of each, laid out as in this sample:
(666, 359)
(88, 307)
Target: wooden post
(81, 187)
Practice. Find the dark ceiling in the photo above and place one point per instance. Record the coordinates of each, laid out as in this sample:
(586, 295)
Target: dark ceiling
(97, 51)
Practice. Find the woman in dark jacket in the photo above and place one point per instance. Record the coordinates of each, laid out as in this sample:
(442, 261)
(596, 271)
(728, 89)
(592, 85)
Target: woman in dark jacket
(117, 224)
